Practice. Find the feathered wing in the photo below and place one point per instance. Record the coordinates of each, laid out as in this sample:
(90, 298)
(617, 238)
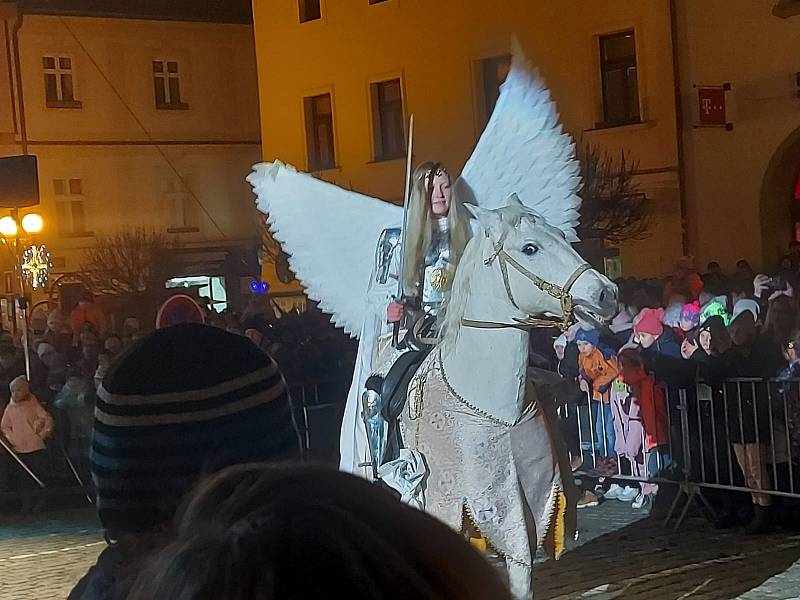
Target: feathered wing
(524, 150)
(329, 233)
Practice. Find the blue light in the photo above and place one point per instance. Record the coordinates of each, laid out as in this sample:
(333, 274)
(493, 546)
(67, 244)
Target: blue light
(259, 287)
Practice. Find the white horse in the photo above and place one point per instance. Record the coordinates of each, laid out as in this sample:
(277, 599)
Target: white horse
(472, 427)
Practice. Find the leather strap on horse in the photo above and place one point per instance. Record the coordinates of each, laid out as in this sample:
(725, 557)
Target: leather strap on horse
(560, 293)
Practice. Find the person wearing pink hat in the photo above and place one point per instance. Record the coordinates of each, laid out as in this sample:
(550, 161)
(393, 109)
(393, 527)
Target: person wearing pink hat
(652, 336)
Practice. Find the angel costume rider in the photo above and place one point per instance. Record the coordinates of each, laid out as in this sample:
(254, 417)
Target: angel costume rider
(438, 229)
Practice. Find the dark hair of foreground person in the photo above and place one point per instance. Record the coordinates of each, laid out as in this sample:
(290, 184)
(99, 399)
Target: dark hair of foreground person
(264, 532)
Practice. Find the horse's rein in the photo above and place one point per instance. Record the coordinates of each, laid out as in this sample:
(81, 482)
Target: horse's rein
(560, 293)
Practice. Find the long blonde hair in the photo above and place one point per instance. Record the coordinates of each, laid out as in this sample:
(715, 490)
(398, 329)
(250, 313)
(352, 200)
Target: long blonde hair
(420, 225)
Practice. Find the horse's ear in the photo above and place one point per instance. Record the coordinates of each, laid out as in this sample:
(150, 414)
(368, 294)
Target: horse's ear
(488, 219)
(513, 200)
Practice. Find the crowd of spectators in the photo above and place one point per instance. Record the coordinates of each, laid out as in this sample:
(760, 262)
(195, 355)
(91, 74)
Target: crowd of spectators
(713, 329)
(69, 357)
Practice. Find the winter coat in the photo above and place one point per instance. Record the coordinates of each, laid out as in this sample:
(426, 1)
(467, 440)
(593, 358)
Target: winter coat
(745, 403)
(599, 372)
(114, 573)
(26, 424)
(652, 405)
(628, 431)
(667, 344)
(789, 408)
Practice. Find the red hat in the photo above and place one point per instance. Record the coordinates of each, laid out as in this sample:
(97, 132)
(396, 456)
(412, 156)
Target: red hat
(649, 321)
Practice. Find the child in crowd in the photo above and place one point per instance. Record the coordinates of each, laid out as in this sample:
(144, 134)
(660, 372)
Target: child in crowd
(620, 404)
(787, 422)
(597, 373)
(647, 426)
(568, 397)
(690, 317)
(672, 318)
(653, 337)
(26, 425)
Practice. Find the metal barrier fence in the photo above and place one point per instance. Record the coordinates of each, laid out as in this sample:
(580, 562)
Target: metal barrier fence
(740, 435)
(318, 408)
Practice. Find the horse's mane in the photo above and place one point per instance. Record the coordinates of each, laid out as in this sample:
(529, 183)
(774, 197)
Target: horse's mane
(457, 302)
(456, 305)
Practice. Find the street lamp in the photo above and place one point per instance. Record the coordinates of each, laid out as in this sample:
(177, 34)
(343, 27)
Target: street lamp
(30, 224)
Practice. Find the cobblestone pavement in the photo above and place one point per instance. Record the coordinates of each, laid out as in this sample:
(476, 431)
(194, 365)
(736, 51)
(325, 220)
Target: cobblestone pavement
(618, 554)
(42, 556)
(621, 555)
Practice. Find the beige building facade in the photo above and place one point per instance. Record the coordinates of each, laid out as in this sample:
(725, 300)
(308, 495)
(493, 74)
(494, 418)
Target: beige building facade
(147, 122)
(338, 80)
(741, 182)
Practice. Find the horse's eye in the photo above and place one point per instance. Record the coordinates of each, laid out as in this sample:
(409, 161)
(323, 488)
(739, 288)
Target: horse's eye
(530, 249)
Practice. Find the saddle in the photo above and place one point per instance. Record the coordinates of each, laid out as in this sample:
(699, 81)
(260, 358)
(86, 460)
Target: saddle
(392, 391)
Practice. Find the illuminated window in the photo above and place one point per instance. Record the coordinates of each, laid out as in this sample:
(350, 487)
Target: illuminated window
(492, 73)
(387, 120)
(319, 132)
(310, 10)
(59, 82)
(619, 76)
(70, 207)
(167, 85)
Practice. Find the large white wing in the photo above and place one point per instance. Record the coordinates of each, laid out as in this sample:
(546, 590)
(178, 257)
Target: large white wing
(329, 233)
(524, 150)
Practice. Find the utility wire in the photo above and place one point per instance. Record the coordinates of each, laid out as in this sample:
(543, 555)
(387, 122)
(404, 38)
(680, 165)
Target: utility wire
(141, 125)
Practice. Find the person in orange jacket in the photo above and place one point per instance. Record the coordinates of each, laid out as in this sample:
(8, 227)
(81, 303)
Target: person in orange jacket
(597, 373)
(87, 312)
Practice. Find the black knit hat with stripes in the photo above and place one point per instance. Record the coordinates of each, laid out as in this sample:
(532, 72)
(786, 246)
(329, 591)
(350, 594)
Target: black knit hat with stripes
(184, 401)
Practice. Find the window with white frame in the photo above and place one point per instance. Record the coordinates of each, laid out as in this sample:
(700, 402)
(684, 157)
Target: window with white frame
(70, 207)
(59, 81)
(167, 85)
(180, 207)
(388, 132)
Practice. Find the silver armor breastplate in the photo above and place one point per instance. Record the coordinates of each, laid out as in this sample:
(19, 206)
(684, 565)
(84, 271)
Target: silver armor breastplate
(438, 273)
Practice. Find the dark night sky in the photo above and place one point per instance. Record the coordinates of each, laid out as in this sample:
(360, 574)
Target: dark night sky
(228, 11)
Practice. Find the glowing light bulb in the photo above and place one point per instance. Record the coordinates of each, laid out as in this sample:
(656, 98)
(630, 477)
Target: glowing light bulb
(8, 227)
(32, 223)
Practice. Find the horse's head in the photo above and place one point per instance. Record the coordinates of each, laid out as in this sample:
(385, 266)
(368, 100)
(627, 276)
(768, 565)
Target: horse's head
(537, 271)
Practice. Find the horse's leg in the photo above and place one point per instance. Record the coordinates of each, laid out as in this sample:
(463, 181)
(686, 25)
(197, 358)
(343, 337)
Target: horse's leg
(478, 541)
(520, 580)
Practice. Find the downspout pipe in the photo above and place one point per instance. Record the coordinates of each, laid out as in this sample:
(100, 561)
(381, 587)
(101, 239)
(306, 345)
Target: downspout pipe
(23, 129)
(679, 123)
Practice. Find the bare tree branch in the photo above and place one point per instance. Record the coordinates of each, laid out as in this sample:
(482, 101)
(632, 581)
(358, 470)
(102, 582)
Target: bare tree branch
(613, 208)
(129, 262)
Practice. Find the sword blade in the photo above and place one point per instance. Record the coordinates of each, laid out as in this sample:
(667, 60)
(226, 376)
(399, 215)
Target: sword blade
(406, 199)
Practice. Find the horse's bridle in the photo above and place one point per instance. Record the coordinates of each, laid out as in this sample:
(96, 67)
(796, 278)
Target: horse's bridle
(559, 292)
